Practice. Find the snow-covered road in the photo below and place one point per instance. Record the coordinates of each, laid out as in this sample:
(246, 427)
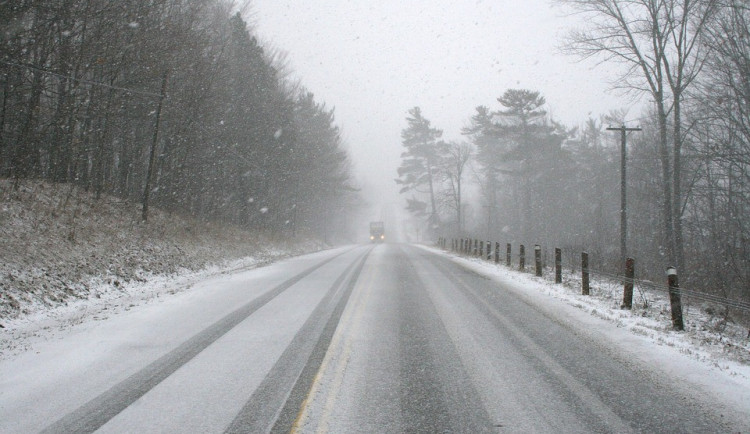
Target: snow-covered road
(385, 338)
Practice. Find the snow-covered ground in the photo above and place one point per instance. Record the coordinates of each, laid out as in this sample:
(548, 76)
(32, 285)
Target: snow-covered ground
(67, 257)
(45, 322)
(710, 359)
(710, 353)
(66, 365)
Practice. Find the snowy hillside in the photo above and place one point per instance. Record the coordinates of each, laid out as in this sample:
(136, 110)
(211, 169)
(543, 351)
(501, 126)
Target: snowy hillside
(60, 245)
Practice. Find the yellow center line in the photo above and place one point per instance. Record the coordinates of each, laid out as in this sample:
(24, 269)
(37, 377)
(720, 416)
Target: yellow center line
(333, 391)
(338, 354)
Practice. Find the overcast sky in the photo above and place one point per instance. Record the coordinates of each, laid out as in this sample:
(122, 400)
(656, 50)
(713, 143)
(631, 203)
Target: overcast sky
(375, 59)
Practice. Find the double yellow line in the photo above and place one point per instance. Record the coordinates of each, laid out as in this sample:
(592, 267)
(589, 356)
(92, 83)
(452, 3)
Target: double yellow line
(336, 359)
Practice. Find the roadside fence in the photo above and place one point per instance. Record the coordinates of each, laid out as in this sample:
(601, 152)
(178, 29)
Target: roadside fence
(485, 251)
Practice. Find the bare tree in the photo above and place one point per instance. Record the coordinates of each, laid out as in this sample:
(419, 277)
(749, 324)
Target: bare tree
(457, 157)
(80, 91)
(658, 41)
(721, 112)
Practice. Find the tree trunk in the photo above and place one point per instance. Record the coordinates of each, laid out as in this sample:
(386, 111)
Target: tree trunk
(679, 251)
(3, 111)
(26, 158)
(433, 211)
(666, 181)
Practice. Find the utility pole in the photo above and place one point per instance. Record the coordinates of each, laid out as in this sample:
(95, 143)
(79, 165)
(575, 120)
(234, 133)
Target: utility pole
(154, 144)
(623, 207)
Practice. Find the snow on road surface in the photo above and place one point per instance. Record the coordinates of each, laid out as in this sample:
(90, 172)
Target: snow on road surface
(535, 363)
(59, 375)
(362, 338)
(675, 353)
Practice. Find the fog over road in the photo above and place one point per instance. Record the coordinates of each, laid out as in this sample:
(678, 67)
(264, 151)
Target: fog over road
(372, 338)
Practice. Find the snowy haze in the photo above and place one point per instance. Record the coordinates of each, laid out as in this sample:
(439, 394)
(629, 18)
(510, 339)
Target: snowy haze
(374, 60)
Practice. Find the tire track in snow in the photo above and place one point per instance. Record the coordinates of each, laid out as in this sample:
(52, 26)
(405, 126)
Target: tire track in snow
(99, 410)
(274, 403)
(612, 392)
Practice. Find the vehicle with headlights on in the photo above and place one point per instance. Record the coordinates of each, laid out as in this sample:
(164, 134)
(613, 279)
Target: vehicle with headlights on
(377, 232)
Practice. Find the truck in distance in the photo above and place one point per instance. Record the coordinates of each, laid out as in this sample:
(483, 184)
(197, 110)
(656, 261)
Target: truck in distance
(377, 232)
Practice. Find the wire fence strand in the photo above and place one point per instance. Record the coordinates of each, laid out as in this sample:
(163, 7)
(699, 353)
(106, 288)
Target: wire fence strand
(642, 285)
(689, 293)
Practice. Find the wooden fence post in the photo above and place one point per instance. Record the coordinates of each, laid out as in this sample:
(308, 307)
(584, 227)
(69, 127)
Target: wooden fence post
(522, 258)
(476, 246)
(675, 299)
(558, 265)
(507, 255)
(481, 249)
(585, 273)
(538, 259)
(627, 293)
(497, 252)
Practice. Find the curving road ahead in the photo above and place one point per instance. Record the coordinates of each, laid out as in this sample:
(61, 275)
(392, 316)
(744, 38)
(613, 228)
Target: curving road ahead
(386, 338)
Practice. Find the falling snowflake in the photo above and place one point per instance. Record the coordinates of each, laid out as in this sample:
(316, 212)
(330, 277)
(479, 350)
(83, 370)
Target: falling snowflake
(277, 134)
(264, 210)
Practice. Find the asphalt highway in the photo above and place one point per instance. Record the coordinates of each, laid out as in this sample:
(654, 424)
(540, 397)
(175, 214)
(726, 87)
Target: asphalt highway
(371, 338)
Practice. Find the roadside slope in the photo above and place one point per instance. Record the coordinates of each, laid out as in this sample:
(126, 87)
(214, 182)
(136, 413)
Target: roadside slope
(60, 245)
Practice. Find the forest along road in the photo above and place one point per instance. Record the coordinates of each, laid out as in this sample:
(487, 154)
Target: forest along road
(376, 338)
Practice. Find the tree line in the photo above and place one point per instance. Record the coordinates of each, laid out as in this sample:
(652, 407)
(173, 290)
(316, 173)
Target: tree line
(688, 184)
(172, 102)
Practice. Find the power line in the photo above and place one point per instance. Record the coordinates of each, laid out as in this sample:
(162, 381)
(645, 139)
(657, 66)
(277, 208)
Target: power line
(81, 80)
